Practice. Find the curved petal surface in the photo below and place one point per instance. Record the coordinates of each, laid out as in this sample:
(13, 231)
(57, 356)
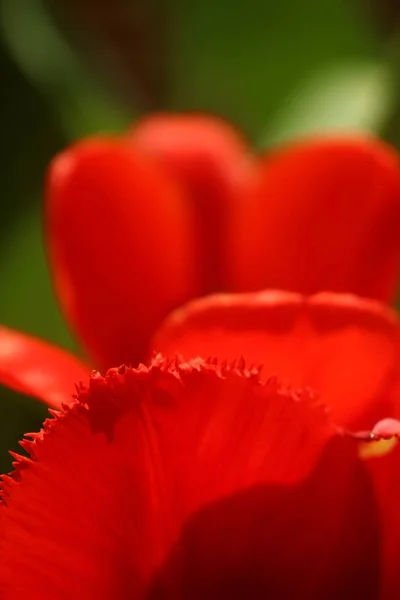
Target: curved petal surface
(385, 472)
(344, 347)
(148, 454)
(120, 246)
(36, 368)
(323, 214)
(317, 540)
(211, 159)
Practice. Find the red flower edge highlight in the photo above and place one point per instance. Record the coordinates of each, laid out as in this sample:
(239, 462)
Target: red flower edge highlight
(36, 368)
(346, 348)
(194, 479)
(321, 214)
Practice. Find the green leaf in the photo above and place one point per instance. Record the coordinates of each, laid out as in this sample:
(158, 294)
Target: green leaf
(339, 97)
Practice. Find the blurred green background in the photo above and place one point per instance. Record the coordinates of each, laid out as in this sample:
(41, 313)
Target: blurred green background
(69, 68)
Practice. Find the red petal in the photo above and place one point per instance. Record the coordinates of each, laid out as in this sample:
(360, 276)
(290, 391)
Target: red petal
(120, 246)
(115, 478)
(344, 347)
(320, 215)
(318, 540)
(385, 472)
(210, 158)
(36, 368)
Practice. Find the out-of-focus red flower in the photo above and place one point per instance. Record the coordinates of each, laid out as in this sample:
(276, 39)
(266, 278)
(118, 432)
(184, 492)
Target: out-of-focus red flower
(193, 479)
(180, 207)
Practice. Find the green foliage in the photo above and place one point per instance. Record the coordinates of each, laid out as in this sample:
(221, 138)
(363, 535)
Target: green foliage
(355, 96)
(81, 104)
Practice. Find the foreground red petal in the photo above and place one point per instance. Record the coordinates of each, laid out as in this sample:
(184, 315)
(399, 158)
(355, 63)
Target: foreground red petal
(119, 237)
(188, 481)
(210, 158)
(36, 368)
(323, 214)
(385, 472)
(345, 347)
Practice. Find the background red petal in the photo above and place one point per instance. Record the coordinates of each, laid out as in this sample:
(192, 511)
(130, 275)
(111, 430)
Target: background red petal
(385, 471)
(323, 214)
(39, 369)
(344, 347)
(210, 158)
(120, 244)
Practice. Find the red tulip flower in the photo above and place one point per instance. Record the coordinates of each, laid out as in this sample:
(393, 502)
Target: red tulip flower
(208, 476)
(180, 207)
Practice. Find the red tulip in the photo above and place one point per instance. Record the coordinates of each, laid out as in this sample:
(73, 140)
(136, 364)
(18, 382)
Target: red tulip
(178, 208)
(194, 477)
(209, 479)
